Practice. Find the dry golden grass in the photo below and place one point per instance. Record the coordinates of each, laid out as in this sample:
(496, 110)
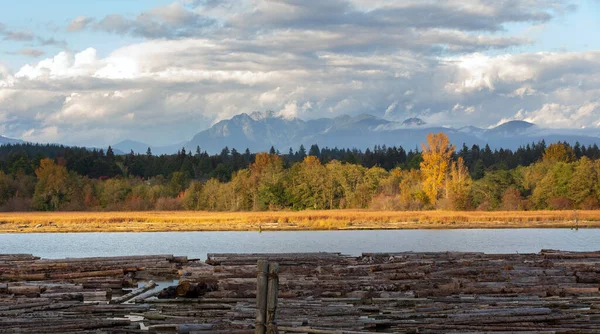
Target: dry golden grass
(155, 221)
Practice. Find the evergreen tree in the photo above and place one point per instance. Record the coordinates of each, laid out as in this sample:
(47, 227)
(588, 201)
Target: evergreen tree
(301, 153)
(315, 151)
(110, 155)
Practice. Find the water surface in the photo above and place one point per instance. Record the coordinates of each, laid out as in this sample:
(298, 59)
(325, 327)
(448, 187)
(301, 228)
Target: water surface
(198, 244)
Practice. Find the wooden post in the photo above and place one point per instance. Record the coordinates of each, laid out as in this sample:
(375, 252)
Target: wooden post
(272, 298)
(261, 297)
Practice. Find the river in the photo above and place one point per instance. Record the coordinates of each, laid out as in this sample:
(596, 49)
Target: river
(198, 244)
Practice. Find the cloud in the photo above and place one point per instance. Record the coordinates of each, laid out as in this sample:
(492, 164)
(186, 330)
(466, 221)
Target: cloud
(290, 110)
(29, 52)
(171, 21)
(471, 15)
(142, 83)
(63, 65)
(454, 26)
(51, 42)
(203, 61)
(17, 35)
(6, 78)
(79, 23)
(27, 36)
(554, 115)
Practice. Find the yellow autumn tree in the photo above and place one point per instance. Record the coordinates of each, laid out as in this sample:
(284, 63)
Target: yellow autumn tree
(306, 186)
(559, 152)
(266, 175)
(434, 167)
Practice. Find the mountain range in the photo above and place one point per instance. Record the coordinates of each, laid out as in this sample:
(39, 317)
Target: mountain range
(6, 140)
(259, 131)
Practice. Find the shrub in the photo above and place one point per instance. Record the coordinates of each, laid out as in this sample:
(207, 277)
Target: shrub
(512, 199)
(17, 204)
(168, 204)
(560, 203)
(384, 203)
(136, 203)
(590, 203)
(484, 206)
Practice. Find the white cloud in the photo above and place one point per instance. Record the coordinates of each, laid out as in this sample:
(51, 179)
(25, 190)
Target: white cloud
(63, 65)
(45, 135)
(202, 62)
(554, 115)
(290, 110)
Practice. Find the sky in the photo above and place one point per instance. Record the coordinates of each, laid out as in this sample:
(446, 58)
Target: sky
(97, 72)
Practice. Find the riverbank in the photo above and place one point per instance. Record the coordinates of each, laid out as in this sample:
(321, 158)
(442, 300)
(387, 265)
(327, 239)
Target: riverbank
(166, 221)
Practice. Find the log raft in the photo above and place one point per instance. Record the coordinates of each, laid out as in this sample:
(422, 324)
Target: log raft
(547, 292)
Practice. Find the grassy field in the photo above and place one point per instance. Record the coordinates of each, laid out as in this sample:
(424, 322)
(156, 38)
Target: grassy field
(155, 221)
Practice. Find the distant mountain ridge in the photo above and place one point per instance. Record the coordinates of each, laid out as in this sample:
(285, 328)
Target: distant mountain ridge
(259, 131)
(6, 140)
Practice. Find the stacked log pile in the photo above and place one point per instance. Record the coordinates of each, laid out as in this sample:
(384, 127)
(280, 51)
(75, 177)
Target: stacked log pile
(548, 292)
(77, 295)
(551, 291)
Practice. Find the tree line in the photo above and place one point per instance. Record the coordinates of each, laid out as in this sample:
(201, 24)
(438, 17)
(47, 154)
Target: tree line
(435, 176)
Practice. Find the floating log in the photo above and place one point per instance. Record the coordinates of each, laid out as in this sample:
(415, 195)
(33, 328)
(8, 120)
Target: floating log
(551, 291)
(148, 286)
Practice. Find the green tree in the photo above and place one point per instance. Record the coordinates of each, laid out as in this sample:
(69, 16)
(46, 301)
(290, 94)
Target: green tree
(51, 189)
(267, 181)
(488, 191)
(178, 183)
(349, 177)
(6, 189)
(306, 187)
(412, 195)
(333, 191)
(459, 186)
(191, 196)
(241, 191)
(583, 182)
(554, 185)
(209, 195)
(113, 193)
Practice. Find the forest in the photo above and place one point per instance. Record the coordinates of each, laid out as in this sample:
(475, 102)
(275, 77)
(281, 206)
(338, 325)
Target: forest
(436, 176)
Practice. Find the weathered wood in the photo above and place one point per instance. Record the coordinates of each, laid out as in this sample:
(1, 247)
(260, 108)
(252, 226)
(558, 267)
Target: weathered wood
(315, 331)
(272, 296)
(26, 289)
(148, 286)
(551, 291)
(261, 296)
